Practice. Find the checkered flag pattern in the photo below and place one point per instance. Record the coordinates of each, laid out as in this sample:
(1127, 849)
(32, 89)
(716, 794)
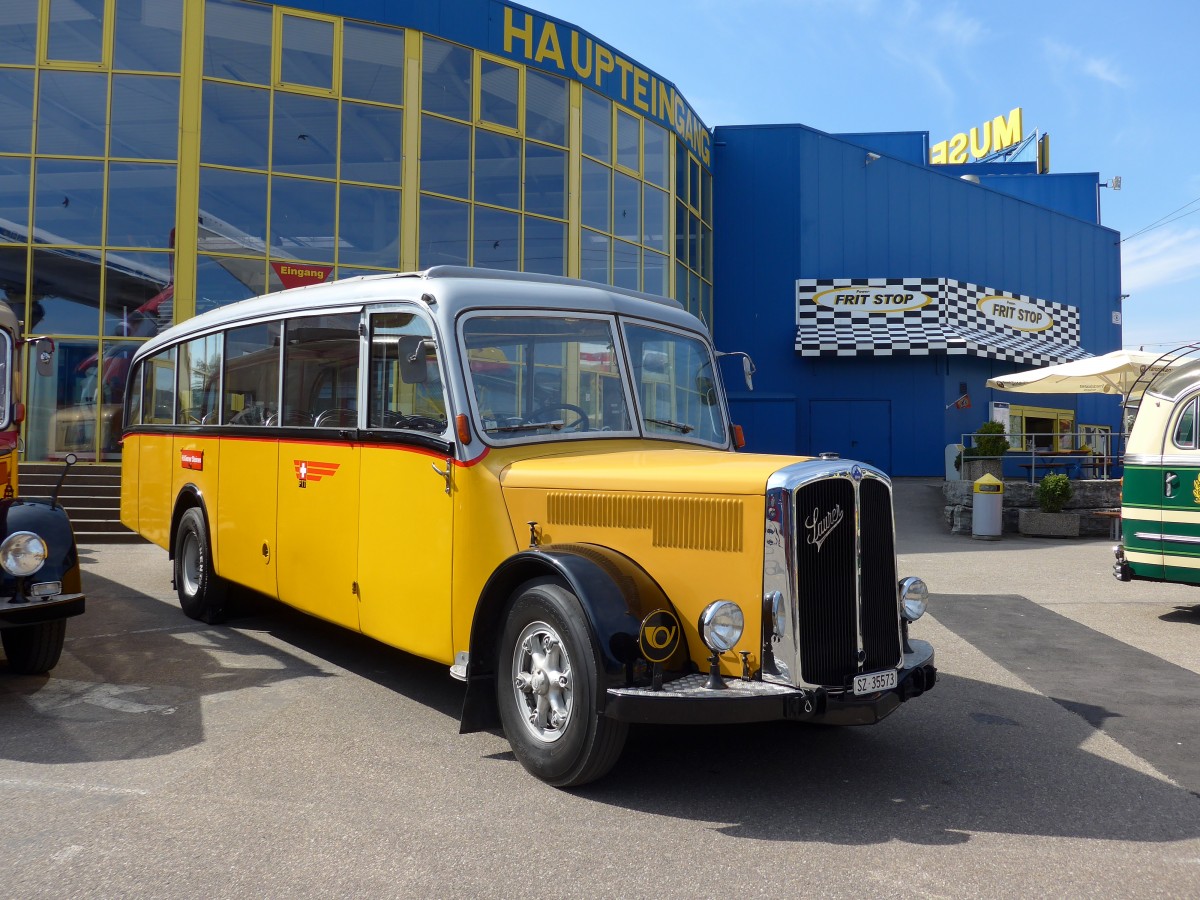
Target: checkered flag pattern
(950, 322)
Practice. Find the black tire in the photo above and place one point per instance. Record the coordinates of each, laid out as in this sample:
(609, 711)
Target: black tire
(582, 745)
(203, 595)
(34, 649)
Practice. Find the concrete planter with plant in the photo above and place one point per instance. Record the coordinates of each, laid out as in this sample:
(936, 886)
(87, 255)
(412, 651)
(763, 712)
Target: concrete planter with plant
(1049, 520)
(986, 455)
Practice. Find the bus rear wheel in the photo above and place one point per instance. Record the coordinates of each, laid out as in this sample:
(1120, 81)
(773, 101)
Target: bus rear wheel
(34, 649)
(548, 681)
(203, 595)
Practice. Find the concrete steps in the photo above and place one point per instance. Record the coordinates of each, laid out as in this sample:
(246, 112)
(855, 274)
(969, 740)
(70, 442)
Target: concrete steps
(91, 495)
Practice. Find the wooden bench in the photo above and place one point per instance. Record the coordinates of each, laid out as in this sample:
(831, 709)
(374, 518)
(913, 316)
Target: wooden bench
(1114, 517)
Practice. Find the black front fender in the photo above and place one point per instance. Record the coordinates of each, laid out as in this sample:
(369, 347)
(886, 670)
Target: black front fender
(52, 524)
(614, 593)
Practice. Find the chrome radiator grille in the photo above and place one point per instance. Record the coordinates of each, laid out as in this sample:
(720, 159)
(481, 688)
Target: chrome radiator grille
(830, 550)
(826, 582)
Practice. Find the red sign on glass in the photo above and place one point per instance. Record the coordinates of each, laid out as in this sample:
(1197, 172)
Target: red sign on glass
(300, 274)
(192, 459)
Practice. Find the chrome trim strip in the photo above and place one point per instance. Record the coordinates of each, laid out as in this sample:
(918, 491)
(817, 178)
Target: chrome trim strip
(861, 650)
(1171, 538)
(1191, 460)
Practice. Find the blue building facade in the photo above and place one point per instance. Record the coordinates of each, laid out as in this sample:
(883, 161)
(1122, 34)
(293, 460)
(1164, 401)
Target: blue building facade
(829, 224)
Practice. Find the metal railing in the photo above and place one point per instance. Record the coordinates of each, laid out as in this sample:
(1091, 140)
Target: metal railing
(1044, 453)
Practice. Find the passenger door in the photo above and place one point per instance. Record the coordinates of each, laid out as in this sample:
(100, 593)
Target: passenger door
(318, 473)
(405, 547)
(249, 479)
(1179, 493)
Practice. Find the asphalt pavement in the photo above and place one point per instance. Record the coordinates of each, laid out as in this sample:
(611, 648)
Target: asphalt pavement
(278, 756)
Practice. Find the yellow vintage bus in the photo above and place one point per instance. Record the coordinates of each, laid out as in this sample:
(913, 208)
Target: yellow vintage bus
(532, 480)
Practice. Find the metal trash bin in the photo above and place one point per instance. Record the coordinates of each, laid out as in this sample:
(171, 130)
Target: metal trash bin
(987, 514)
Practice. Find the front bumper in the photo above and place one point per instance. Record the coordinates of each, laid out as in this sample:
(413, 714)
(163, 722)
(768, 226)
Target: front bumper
(686, 701)
(35, 610)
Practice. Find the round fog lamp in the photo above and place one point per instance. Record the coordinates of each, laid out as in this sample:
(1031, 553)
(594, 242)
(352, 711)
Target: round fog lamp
(914, 598)
(721, 625)
(22, 553)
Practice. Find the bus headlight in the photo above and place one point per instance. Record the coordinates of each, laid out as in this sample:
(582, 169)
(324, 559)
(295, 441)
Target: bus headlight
(721, 625)
(914, 598)
(23, 553)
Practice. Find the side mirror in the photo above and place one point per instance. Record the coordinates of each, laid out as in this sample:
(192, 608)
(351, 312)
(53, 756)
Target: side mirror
(43, 349)
(748, 368)
(411, 349)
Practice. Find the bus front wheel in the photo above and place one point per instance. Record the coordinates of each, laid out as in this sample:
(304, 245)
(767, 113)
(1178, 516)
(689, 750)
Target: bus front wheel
(34, 649)
(548, 679)
(202, 593)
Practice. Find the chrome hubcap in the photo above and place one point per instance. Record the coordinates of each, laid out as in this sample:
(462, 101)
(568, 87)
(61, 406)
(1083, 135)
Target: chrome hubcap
(542, 682)
(189, 565)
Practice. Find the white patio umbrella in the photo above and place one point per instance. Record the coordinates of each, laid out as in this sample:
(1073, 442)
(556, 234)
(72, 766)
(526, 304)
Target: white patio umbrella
(1115, 373)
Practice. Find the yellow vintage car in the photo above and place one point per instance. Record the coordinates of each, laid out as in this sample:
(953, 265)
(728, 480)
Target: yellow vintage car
(534, 481)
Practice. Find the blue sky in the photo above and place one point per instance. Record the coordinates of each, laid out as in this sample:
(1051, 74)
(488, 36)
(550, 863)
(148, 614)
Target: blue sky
(1116, 85)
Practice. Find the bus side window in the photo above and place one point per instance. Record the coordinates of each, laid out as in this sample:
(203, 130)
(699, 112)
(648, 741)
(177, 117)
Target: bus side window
(199, 380)
(320, 371)
(251, 391)
(158, 389)
(405, 381)
(133, 415)
(1185, 428)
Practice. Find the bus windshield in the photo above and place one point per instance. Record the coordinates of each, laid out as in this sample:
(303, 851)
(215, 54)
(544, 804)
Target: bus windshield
(545, 376)
(559, 377)
(676, 389)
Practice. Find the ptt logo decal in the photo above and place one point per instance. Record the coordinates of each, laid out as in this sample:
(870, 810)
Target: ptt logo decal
(659, 636)
(310, 470)
(192, 459)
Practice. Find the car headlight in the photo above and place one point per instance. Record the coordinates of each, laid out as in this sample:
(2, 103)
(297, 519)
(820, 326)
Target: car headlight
(914, 598)
(721, 625)
(23, 553)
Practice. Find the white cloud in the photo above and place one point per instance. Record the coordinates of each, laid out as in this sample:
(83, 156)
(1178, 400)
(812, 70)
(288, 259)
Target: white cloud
(1073, 59)
(1105, 71)
(1160, 257)
(961, 30)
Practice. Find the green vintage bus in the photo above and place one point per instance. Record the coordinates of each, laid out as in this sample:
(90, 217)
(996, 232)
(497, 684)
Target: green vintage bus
(1160, 496)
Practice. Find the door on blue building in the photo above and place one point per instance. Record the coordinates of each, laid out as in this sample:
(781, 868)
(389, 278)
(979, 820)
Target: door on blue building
(855, 429)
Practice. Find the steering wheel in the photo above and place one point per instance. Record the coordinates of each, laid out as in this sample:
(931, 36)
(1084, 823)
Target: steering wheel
(582, 423)
(336, 418)
(390, 418)
(413, 422)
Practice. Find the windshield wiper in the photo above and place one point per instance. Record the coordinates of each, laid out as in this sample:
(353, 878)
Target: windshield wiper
(528, 426)
(681, 427)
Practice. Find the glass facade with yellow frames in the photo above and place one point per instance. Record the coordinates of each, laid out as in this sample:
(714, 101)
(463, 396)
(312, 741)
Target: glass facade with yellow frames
(159, 158)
